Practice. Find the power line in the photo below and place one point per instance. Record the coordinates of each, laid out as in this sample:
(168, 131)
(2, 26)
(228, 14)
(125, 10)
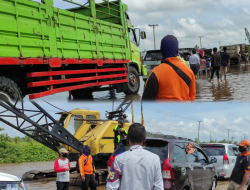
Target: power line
(151, 108)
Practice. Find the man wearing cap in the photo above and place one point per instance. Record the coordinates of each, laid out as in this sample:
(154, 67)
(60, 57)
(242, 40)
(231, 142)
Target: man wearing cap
(120, 132)
(62, 168)
(241, 172)
(138, 168)
(87, 169)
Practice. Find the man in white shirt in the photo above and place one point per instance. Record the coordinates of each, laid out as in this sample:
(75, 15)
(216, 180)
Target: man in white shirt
(136, 168)
(62, 168)
(194, 62)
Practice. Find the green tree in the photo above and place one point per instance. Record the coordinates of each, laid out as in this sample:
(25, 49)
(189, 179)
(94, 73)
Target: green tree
(1, 129)
(196, 47)
(16, 139)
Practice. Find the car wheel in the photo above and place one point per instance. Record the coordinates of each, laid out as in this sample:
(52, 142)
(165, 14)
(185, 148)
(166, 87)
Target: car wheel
(9, 90)
(133, 81)
(214, 184)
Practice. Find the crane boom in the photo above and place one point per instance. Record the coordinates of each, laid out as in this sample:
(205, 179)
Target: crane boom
(38, 125)
(248, 35)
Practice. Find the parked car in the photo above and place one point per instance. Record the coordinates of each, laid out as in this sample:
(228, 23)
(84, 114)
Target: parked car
(226, 155)
(180, 170)
(11, 182)
(153, 58)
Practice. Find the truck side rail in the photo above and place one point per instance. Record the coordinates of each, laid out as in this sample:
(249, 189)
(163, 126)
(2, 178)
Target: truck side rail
(37, 124)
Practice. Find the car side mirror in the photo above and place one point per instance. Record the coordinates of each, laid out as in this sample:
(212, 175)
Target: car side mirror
(143, 35)
(213, 160)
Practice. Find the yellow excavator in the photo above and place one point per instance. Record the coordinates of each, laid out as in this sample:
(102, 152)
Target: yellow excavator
(73, 130)
(88, 127)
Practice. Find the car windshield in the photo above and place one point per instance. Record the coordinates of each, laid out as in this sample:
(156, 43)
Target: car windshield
(153, 56)
(214, 150)
(11, 186)
(157, 147)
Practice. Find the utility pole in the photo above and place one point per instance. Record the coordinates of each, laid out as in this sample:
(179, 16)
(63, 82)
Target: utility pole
(153, 25)
(200, 40)
(228, 135)
(199, 130)
(219, 43)
(244, 136)
(210, 137)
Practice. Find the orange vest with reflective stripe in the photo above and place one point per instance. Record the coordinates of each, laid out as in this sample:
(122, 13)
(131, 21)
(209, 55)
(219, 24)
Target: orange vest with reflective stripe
(171, 86)
(85, 166)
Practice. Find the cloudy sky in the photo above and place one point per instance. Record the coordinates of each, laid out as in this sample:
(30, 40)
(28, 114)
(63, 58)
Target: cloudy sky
(216, 20)
(172, 118)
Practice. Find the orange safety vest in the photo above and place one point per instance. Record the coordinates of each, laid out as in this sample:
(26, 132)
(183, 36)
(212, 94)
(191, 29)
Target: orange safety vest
(86, 165)
(171, 86)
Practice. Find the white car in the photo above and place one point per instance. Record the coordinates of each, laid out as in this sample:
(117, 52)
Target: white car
(11, 182)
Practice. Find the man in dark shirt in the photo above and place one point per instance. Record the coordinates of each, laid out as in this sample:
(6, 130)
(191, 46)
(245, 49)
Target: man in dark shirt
(225, 62)
(215, 64)
(243, 56)
(241, 172)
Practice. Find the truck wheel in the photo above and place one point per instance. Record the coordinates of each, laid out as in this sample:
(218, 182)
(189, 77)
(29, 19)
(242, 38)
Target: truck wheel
(133, 81)
(81, 94)
(9, 91)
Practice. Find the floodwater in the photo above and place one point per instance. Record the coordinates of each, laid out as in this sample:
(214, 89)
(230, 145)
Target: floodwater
(49, 183)
(236, 88)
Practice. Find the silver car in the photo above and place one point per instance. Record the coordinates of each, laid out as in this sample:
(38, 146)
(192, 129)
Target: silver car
(226, 155)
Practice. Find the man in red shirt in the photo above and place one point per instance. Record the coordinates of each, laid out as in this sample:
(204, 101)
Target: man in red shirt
(62, 168)
(172, 80)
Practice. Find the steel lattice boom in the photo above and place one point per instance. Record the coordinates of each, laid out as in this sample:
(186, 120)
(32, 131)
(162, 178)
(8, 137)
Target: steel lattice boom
(38, 125)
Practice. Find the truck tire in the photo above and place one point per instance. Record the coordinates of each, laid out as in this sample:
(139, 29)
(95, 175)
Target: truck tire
(9, 91)
(81, 94)
(133, 81)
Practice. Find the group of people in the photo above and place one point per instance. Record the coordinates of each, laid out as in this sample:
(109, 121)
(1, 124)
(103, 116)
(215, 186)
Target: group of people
(86, 169)
(140, 169)
(220, 62)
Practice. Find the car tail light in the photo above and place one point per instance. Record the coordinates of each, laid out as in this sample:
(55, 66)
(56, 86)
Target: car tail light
(142, 62)
(110, 161)
(167, 172)
(225, 159)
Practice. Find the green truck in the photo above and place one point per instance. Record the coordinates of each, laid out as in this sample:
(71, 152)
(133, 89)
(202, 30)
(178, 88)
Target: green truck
(46, 50)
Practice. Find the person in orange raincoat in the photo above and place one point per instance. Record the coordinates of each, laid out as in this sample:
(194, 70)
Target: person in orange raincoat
(87, 169)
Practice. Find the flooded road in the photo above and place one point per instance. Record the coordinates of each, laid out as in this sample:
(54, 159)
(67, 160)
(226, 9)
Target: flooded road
(236, 88)
(50, 183)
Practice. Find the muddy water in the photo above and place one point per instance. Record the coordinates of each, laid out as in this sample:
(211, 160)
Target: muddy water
(49, 184)
(236, 88)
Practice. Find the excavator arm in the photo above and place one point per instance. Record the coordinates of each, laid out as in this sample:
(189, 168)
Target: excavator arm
(37, 124)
